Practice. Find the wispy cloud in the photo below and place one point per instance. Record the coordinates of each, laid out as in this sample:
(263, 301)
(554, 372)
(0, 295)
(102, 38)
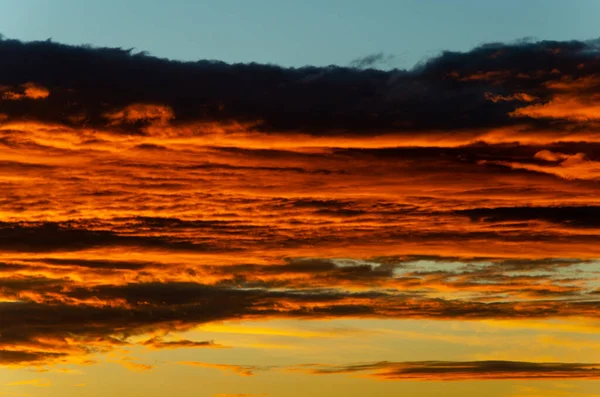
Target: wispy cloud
(456, 371)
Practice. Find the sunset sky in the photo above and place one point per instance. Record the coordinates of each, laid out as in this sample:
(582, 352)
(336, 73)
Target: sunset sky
(203, 215)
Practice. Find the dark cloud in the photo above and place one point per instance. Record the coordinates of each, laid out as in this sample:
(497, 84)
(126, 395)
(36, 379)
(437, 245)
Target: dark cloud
(570, 216)
(159, 343)
(432, 370)
(8, 357)
(101, 316)
(93, 264)
(371, 60)
(455, 370)
(48, 237)
(97, 87)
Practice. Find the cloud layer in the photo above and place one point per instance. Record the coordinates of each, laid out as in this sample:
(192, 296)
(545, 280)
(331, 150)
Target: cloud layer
(144, 196)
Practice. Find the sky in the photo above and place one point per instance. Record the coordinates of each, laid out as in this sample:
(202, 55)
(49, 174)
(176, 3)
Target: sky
(213, 219)
(297, 33)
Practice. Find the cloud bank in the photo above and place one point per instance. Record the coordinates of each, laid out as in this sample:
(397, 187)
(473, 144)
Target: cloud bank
(144, 196)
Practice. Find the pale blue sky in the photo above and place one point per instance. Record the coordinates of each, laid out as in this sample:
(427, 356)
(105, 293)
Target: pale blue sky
(296, 33)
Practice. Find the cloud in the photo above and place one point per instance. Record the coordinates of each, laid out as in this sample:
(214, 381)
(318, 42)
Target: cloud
(55, 326)
(371, 60)
(445, 93)
(129, 363)
(242, 370)
(571, 216)
(432, 370)
(9, 357)
(140, 112)
(568, 166)
(25, 91)
(457, 371)
(514, 97)
(159, 343)
(145, 197)
(49, 237)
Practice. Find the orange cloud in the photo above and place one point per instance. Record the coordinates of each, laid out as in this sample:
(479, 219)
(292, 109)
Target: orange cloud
(27, 90)
(131, 364)
(243, 370)
(569, 166)
(563, 107)
(141, 112)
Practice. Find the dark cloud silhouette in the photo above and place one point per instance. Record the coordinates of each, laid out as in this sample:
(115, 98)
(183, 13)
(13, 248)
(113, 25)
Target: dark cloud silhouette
(102, 317)
(8, 357)
(127, 90)
(159, 343)
(457, 370)
(571, 216)
(432, 370)
(93, 264)
(48, 237)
